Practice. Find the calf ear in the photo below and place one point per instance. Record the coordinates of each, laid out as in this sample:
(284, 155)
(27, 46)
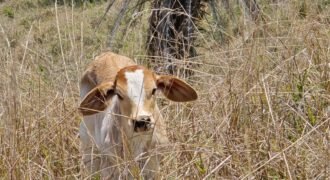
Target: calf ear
(97, 99)
(176, 89)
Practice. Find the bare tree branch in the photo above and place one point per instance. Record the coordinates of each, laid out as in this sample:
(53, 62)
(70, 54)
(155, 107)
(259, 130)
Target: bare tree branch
(105, 13)
(118, 21)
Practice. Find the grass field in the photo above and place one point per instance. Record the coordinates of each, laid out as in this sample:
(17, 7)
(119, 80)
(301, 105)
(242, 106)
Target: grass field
(264, 91)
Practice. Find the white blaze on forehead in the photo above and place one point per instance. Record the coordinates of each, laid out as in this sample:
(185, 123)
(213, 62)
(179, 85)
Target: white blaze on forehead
(135, 89)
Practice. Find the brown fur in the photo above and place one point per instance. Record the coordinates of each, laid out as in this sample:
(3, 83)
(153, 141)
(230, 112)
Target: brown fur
(104, 69)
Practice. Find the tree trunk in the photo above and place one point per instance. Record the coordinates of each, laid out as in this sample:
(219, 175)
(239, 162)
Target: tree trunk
(171, 34)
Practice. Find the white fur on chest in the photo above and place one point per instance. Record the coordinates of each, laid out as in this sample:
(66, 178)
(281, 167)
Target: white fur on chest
(140, 143)
(96, 128)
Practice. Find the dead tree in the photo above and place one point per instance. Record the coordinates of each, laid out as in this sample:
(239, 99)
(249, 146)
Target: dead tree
(171, 34)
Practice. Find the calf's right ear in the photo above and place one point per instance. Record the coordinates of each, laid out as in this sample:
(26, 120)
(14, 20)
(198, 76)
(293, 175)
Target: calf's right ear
(97, 99)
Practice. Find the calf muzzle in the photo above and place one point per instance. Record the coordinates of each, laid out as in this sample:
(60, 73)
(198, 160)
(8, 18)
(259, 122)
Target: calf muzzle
(142, 124)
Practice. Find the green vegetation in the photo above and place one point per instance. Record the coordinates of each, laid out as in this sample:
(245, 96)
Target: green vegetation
(264, 90)
(8, 11)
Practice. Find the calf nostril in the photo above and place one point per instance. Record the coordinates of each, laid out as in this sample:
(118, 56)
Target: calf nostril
(146, 119)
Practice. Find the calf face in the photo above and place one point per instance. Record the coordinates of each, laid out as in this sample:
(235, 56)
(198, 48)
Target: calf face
(135, 87)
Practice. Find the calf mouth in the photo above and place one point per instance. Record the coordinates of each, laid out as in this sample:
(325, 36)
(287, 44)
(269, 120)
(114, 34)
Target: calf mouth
(142, 126)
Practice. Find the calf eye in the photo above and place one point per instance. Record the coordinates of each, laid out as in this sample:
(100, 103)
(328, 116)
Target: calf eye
(154, 91)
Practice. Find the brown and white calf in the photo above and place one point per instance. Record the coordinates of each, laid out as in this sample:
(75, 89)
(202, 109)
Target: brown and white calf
(122, 122)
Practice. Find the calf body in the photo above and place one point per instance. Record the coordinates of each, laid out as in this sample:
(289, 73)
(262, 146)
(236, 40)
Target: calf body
(122, 124)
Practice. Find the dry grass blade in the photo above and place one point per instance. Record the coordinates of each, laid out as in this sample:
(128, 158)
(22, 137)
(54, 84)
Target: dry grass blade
(285, 149)
(217, 167)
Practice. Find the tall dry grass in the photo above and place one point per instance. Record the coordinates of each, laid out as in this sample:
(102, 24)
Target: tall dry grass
(264, 105)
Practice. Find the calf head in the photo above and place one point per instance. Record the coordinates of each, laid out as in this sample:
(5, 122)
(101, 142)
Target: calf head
(135, 88)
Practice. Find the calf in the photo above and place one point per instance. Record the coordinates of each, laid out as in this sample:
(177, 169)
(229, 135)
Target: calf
(122, 123)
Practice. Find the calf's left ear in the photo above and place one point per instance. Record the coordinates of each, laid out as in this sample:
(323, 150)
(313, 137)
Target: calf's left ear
(97, 99)
(176, 89)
